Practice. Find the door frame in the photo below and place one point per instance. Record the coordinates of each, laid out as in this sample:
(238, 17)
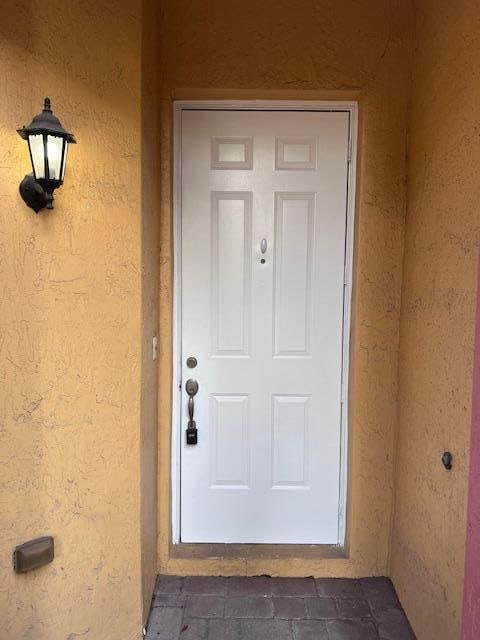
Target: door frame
(471, 589)
(351, 107)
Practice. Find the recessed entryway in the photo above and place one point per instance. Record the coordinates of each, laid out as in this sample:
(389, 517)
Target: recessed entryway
(263, 258)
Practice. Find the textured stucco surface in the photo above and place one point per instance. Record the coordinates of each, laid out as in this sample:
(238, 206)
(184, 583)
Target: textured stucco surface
(438, 317)
(71, 322)
(321, 49)
(150, 165)
(80, 293)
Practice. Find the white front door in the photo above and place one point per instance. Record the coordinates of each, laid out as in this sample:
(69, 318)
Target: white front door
(263, 231)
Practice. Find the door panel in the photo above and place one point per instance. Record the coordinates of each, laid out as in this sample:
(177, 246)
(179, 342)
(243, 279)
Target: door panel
(230, 448)
(264, 198)
(290, 441)
(293, 275)
(231, 272)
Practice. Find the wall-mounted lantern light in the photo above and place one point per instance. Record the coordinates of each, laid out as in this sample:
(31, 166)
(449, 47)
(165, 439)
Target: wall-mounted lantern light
(48, 145)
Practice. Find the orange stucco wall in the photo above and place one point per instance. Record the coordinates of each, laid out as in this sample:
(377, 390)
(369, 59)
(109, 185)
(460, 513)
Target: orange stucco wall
(309, 50)
(150, 222)
(76, 433)
(438, 316)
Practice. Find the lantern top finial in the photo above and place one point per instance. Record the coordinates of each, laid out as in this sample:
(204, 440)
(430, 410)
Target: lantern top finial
(46, 123)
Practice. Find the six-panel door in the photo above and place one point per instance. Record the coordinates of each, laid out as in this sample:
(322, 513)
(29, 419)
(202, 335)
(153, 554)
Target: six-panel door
(263, 201)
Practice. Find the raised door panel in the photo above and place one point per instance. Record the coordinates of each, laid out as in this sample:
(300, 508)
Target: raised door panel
(231, 273)
(296, 153)
(290, 442)
(232, 153)
(294, 238)
(230, 441)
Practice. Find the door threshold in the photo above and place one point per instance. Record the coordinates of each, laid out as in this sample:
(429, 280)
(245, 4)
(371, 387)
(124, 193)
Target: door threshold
(188, 550)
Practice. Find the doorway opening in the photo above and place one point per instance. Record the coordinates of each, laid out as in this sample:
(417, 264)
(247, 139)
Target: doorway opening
(263, 219)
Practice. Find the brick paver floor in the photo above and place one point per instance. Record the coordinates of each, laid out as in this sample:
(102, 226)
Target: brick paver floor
(263, 608)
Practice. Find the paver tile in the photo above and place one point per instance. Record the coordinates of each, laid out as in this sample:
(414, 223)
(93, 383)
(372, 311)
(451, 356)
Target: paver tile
(205, 585)
(353, 608)
(293, 587)
(310, 630)
(164, 623)
(339, 587)
(194, 629)
(380, 593)
(204, 607)
(289, 608)
(351, 630)
(169, 584)
(265, 630)
(249, 607)
(222, 629)
(392, 624)
(168, 600)
(254, 586)
(321, 608)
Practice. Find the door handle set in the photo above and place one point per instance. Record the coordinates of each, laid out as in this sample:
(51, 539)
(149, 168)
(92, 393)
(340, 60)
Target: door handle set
(191, 387)
(263, 249)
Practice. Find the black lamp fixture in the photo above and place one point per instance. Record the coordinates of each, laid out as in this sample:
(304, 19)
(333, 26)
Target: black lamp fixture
(48, 145)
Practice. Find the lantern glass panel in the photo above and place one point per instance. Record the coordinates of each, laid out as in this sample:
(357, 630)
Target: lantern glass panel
(64, 160)
(37, 152)
(54, 153)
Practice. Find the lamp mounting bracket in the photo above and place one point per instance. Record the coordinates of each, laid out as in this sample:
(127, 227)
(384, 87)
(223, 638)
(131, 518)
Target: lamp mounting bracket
(34, 195)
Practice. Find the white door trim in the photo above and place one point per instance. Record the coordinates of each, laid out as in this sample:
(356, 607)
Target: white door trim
(259, 105)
